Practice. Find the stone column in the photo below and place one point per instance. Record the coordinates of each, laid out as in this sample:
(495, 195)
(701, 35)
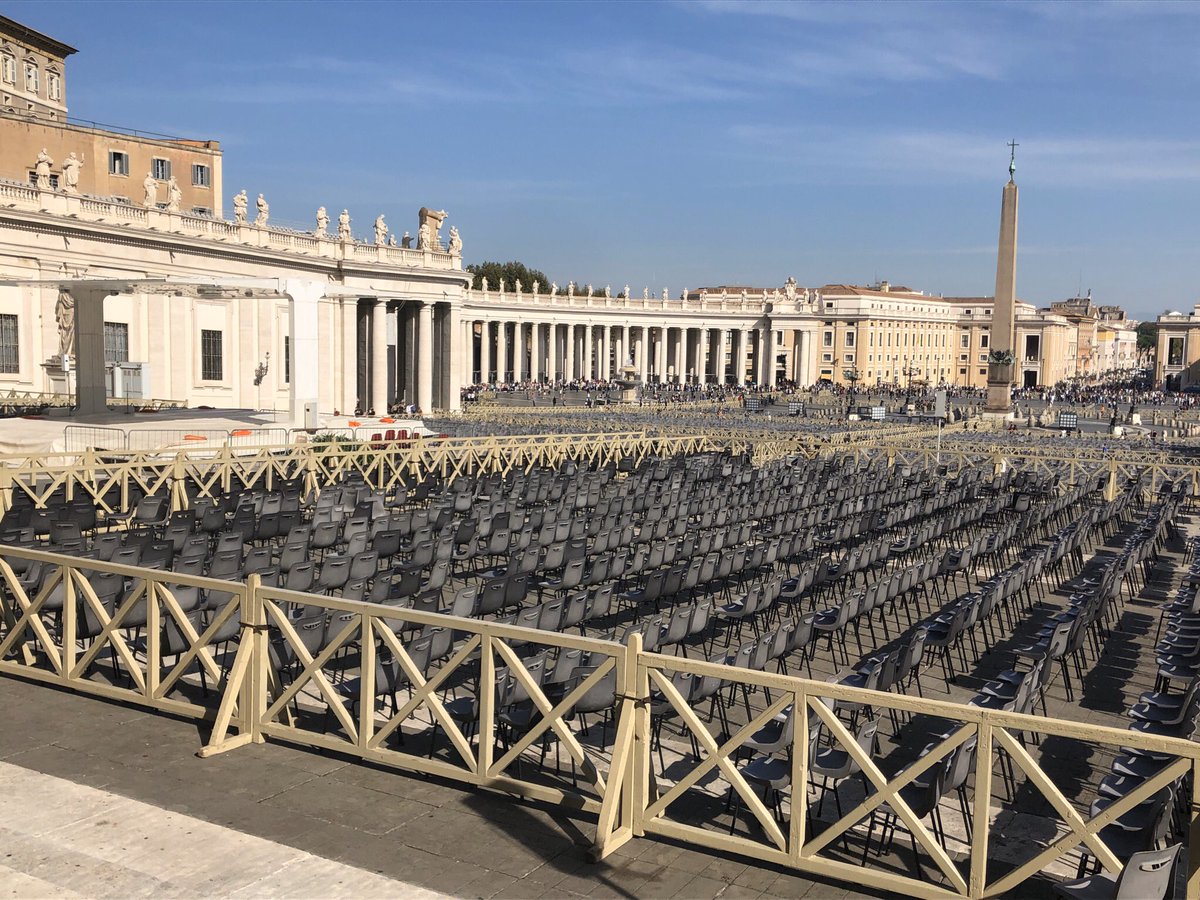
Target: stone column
(304, 388)
(660, 356)
(535, 351)
(379, 357)
(502, 368)
(425, 357)
(458, 360)
(552, 350)
(518, 351)
(588, 352)
(485, 350)
(719, 365)
(570, 347)
(618, 349)
(681, 355)
(740, 335)
(604, 345)
(91, 394)
(766, 369)
(643, 353)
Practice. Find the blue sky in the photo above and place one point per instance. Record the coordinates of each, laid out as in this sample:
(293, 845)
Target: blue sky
(687, 144)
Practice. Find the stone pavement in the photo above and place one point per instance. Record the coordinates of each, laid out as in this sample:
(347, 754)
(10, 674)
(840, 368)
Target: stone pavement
(420, 834)
(63, 839)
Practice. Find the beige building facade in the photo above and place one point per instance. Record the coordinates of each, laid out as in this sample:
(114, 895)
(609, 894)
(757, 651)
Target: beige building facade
(83, 157)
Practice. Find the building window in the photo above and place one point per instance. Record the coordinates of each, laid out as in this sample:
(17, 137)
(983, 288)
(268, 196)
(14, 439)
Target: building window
(849, 338)
(983, 371)
(8, 68)
(1174, 352)
(287, 359)
(160, 169)
(201, 176)
(31, 78)
(983, 341)
(201, 211)
(983, 357)
(116, 342)
(848, 357)
(10, 358)
(211, 355)
(53, 180)
(826, 357)
(118, 163)
(827, 339)
(53, 86)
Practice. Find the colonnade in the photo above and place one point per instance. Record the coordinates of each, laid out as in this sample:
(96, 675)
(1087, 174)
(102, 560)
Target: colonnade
(503, 350)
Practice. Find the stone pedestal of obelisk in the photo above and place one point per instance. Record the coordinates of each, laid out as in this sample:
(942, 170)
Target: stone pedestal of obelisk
(1004, 311)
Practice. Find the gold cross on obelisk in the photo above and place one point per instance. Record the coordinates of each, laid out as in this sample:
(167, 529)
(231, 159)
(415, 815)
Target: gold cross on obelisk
(1012, 159)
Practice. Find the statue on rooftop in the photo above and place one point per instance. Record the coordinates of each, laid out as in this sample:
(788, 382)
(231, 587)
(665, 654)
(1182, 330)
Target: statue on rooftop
(406, 241)
(789, 288)
(150, 189)
(322, 222)
(570, 289)
(607, 291)
(517, 289)
(264, 211)
(381, 230)
(455, 242)
(483, 282)
(554, 289)
(174, 195)
(391, 240)
(645, 293)
(589, 291)
(430, 222)
(41, 170)
(344, 232)
(536, 288)
(239, 207)
(666, 295)
(70, 174)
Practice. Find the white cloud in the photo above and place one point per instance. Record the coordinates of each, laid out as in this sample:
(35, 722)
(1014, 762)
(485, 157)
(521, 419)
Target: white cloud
(851, 156)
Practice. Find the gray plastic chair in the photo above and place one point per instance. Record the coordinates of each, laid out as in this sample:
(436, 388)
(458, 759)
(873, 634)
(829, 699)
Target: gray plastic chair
(1147, 876)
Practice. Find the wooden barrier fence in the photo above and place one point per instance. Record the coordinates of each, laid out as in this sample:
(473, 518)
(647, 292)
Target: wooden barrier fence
(269, 678)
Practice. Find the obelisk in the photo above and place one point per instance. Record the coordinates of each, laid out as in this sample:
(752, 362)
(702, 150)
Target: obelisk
(1003, 353)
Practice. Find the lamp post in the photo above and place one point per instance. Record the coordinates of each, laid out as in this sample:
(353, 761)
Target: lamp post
(908, 372)
(851, 375)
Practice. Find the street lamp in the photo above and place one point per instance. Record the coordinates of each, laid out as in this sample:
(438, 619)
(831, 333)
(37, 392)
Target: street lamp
(851, 375)
(908, 373)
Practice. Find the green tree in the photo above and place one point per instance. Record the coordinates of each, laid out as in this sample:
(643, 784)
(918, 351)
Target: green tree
(511, 272)
(1147, 335)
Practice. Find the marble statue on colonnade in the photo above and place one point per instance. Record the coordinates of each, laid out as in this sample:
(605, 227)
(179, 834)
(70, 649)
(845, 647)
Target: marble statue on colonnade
(41, 170)
(536, 288)
(64, 314)
(789, 289)
(240, 204)
(322, 222)
(554, 289)
(391, 240)
(483, 282)
(150, 187)
(517, 289)
(607, 291)
(70, 174)
(430, 221)
(570, 289)
(455, 242)
(381, 230)
(626, 293)
(174, 195)
(666, 295)
(645, 293)
(264, 212)
(406, 241)
(344, 232)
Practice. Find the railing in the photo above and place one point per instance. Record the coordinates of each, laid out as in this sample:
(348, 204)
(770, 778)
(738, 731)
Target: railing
(73, 634)
(112, 480)
(269, 679)
(101, 209)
